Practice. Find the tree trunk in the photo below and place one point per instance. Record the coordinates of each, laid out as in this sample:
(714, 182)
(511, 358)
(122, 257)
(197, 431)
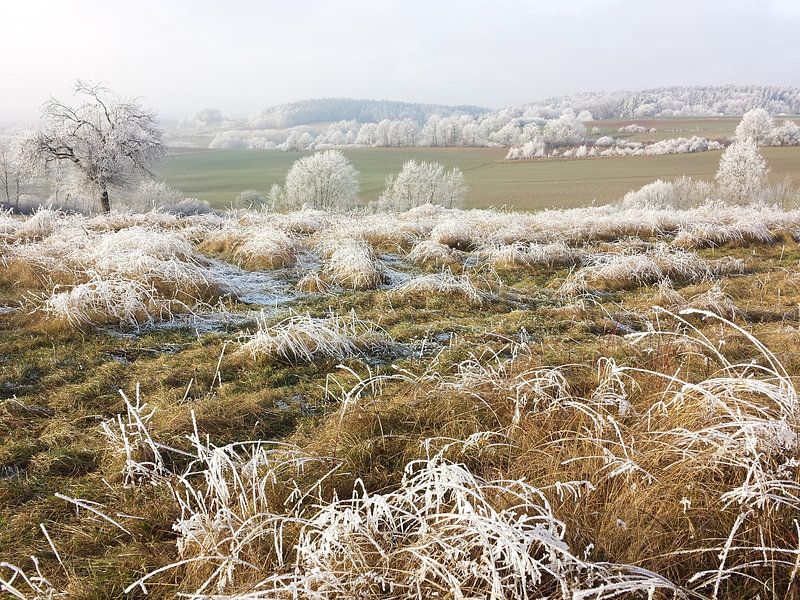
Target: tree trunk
(105, 205)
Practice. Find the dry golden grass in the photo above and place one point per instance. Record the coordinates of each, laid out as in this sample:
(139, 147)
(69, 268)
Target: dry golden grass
(537, 376)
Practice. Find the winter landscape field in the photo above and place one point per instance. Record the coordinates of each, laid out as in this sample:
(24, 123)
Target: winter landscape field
(339, 348)
(218, 176)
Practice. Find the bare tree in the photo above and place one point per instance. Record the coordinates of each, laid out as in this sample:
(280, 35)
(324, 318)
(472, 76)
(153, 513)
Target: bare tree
(10, 175)
(106, 140)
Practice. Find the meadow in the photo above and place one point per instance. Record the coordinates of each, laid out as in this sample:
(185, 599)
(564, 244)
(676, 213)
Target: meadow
(219, 175)
(580, 403)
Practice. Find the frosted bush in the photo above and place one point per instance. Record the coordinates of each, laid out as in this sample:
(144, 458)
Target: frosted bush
(657, 195)
(150, 195)
(757, 125)
(742, 171)
(190, 206)
(420, 183)
(535, 148)
(250, 200)
(787, 134)
(325, 180)
(682, 146)
(682, 193)
(566, 129)
(632, 128)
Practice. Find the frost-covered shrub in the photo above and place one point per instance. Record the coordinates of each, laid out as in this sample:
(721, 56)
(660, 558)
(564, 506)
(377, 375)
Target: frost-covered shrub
(608, 146)
(682, 193)
(652, 196)
(757, 125)
(787, 134)
(189, 207)
(566, 129)
(742, 172)
(150, 195)
(682, 146)
(421, 183)
(324, 180)
(250, 200)
(535, 148)
(632, 128)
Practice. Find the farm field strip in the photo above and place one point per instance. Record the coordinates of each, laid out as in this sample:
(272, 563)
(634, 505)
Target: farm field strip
(220, 175)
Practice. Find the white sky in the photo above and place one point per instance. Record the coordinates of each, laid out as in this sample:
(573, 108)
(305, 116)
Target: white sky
(242, 55)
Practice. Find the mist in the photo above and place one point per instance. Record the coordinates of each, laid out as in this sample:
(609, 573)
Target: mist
(244, 55)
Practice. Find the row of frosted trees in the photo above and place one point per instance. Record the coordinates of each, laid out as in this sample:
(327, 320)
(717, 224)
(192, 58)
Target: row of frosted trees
(498, 129)
(108, 143)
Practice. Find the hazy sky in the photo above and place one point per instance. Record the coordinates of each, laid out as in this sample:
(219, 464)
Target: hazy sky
(242, 55)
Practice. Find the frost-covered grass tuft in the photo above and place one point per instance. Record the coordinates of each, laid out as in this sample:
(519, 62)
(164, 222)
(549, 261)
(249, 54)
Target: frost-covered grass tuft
(620, 270)
(556, 254)
(443, 284)
(313, 283)
(129, 276)
(302, 338)
(667, 296)
(446, 531)
(454, 233)
(716, 301)
(264, 248)
(431, 253)
(352, 264)
(129, 438)
(114, 301)
(41, 224)
(442, 530)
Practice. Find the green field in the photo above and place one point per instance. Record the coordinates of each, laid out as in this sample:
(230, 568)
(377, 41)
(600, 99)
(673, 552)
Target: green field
(219, 175)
